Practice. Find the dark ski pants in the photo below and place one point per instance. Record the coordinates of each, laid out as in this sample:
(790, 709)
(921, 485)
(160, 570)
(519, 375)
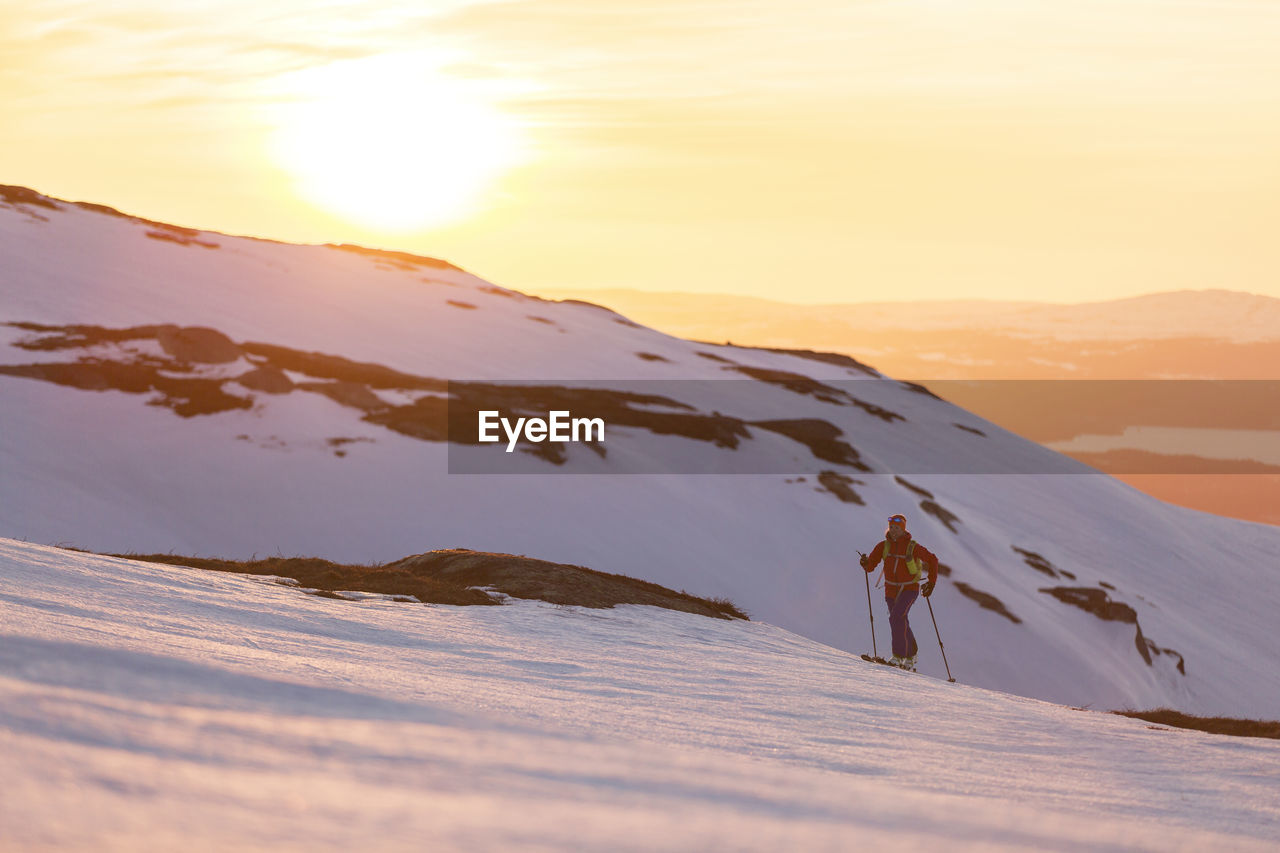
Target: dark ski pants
(904, 642)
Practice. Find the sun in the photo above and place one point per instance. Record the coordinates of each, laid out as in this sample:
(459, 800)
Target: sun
(390, 142)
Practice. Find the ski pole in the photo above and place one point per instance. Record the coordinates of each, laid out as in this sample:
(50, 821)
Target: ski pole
(939, 636)
(866, 576)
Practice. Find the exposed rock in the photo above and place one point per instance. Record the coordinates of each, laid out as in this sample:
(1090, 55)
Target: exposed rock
(353, 384)
(1036, 561)
(351, 394)
(55, 338)
(886, 415)
(841, 486)
(22, 195)
(1097, 602)
(826, 358)
(174, 234)
(821, 437)
(558, 583)
(197, 345)
(946, 516)
(402, 258)
(796, 383)
(322, 366)
(985, 600)
(585, 304)
(187, 397)
(922, 492)
(268, 379)
(1159, 650)
(919, 389)
(338, 444)
(426, 419)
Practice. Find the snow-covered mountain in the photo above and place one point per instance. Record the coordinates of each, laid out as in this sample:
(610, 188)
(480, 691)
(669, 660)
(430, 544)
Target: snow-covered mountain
(155, 707)
(169, 389)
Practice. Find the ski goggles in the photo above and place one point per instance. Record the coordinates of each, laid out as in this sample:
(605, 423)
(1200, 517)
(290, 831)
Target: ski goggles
(898, 519)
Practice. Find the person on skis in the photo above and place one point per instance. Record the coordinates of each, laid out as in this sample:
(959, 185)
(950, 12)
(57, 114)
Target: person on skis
(903, 558)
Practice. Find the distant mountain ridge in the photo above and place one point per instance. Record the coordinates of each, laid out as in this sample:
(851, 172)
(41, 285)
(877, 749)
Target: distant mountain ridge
(1219, 314)
(1194, 335)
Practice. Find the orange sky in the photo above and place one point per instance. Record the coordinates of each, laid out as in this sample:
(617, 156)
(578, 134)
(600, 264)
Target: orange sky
(805, 151)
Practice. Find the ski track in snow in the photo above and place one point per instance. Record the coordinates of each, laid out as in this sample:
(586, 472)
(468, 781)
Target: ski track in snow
(149, 706)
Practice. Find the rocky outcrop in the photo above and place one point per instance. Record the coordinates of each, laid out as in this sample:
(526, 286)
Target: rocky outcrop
(197, 345)
(268, 379)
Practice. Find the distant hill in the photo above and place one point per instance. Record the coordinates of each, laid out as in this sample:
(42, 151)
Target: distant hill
(1220, 315)
(1202, 334)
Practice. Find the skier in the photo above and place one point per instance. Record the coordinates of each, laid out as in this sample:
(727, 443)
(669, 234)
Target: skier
(903, 557)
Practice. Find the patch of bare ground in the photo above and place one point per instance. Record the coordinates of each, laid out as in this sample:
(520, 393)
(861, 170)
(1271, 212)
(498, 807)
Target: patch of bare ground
(1100, 604)
(22, 195)
(558, 583)
(353, 384)
(1213, 725)
(187, 397)
(919, 389)
(823, 439)
(985, 600)
(172, 234)
(454, 576)
(796, 383)
(841, 486)
(919, 490)
(838, 359)
(938, 511)
(402, 260)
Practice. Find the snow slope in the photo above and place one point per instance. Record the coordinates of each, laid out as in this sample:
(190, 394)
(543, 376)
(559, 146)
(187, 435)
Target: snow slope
(1037, 560)
(154, 707)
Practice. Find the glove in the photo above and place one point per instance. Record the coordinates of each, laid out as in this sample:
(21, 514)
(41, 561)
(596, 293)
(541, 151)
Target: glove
(927, 589)
(862, 561)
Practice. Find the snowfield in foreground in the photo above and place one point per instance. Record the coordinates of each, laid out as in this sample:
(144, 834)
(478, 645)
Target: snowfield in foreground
(153, 707)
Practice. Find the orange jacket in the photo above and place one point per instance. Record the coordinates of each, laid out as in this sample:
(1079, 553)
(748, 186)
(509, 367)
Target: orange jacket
(896, 576)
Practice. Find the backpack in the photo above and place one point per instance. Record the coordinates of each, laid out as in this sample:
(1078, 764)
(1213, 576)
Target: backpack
(913, 565)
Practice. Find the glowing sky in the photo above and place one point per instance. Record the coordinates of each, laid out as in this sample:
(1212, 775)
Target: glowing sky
(805, 151)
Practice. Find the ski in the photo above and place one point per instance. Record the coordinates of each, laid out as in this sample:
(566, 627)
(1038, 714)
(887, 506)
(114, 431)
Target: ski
(884, 662)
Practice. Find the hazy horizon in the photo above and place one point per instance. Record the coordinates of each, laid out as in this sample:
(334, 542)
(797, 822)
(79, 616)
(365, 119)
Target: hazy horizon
(570, 292)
